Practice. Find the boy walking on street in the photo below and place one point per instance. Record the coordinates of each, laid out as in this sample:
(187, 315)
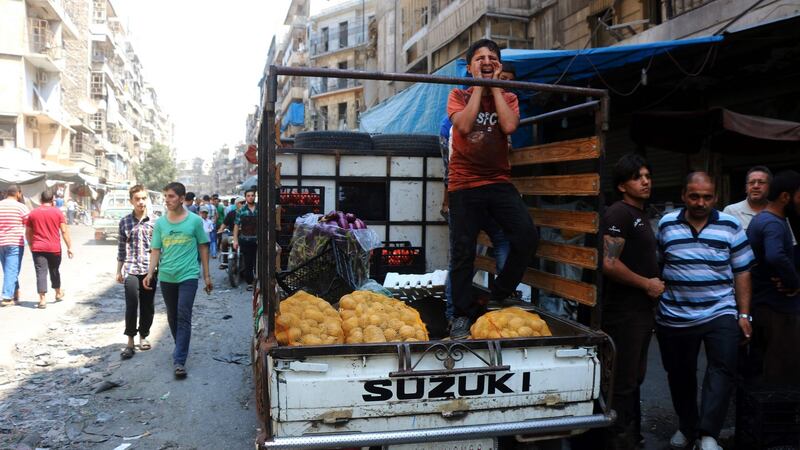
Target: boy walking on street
(46, 228)
(479, 185)
(133, 263)
(13, 217)
(178, 237)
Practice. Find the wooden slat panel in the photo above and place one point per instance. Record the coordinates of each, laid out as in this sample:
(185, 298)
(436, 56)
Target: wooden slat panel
(278, 211)
(574, 150)
(578, 184)
(570, 254)
(575, 255)
(583, 221)
(574, 290)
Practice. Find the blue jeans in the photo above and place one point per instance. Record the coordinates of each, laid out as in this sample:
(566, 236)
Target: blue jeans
(179, 299)
(212, 245)
(11, 259)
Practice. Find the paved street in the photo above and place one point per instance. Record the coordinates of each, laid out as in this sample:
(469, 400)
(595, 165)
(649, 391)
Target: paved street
(53, 360)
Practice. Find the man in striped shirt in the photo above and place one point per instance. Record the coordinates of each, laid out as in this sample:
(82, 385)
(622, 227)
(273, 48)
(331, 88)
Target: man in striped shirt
(133, 262)
(13, 217)
(706, 260)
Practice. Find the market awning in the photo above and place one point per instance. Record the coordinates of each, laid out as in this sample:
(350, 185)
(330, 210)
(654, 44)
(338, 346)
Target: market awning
(718, 129)
(294, 115)
(13, 176)
(420, 108)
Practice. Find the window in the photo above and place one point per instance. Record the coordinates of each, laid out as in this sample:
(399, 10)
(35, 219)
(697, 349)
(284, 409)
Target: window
(323, 117)
(324, 39)
(343, 35)
(8, 131)
(342, 82)
(97, 121)
(365, 199)
(98, 82)
(342, 116)
(99, 15)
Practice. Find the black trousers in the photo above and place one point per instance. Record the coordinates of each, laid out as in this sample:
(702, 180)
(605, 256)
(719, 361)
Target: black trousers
(249, 251)
(43, 263)
(631, 332)
(776, 344)
(679, 349)
(469, 209)
(138, 301)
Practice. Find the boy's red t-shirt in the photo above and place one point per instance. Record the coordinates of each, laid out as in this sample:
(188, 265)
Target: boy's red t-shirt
(480, 157)
(46, 224)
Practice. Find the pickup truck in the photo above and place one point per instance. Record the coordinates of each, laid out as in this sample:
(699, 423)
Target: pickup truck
(470, 394)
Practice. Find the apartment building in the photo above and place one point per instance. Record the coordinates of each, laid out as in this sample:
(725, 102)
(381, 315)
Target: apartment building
(338, 39)
(293, 50)
(72, 89)
(33, 34)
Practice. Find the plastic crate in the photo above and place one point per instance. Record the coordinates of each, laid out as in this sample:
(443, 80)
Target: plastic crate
(399, 259)
(302, 196)
(317, 276)
(768, 417)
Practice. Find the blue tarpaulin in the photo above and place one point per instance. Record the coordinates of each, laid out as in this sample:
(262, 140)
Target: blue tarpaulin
(420, 108)
(295, 115)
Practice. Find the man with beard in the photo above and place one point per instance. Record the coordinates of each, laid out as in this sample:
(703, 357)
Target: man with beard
(776, 284)
(706, 261)
(630, 264)
(756, 187)
(245, 233)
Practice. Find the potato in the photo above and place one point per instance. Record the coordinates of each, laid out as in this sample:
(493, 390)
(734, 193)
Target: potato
(408, 331)
(377, 314)
(307, 320)
(390, 334)
(509, 323)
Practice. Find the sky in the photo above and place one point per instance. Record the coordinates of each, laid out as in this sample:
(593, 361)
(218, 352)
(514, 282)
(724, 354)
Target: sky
(205, 62)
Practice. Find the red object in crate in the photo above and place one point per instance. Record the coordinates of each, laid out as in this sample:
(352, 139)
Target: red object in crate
(399, 256)
(299, 197)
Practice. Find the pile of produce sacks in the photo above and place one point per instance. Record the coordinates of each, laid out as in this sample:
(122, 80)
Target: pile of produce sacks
(304, 319)
(509, 323)
(371, 318)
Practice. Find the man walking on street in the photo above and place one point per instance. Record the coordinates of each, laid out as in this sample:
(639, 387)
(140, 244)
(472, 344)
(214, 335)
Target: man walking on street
(188, 203)
(220, 216)
(630, 264)
(226, 229)
(133, 263)
(46, 228)
(776, 285)
(178, 236)
(245, 234)
(756, 186)
(479, 186)
(13, 218)
(72, 209)
(706, 261)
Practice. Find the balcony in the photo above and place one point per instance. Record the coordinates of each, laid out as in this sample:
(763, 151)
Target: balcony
(327, 86)
(44, 52)
(334, 40)
(54, 10)
(673, 8)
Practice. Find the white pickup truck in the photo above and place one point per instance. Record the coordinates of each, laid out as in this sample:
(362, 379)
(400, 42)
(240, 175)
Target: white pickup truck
(442, 394)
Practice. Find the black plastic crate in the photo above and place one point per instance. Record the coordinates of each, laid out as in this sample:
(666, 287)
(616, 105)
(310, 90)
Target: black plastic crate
(768, 417)
(397, 259)
(318, 276)
(302, 196)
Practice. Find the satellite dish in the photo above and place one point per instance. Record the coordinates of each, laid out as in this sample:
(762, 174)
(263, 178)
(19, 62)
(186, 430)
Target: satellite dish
(87, 106)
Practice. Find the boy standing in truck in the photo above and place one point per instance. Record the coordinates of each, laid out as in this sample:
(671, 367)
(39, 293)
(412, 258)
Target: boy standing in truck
(479, 185)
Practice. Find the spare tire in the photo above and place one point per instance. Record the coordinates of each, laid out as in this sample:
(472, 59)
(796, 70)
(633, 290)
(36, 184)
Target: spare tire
(421, 142)
(333, 140)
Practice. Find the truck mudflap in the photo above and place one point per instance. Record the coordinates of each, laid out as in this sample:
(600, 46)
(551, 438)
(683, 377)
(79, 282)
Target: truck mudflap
(527, 427)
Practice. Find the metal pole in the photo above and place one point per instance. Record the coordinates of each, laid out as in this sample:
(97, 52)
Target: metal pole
(436, 79)
(267, 200)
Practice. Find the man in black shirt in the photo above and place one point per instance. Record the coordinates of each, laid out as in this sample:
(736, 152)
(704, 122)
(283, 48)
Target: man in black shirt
(630, 266)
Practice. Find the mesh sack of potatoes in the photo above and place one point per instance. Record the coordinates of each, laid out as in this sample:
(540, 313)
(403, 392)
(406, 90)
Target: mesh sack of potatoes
(509, 323)
(368, 317)
(307, 320)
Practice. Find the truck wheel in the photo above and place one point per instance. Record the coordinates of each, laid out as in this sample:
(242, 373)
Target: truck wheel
(421, 142)
(233, 270)
(333, 140)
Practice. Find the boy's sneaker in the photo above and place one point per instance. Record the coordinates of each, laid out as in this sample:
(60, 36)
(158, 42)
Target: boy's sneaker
(678, 440)
(460, 328)
(708, 443)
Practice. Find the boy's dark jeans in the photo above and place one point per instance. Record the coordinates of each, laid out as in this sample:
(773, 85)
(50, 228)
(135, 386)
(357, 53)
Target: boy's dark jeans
(469, 208)
(138, 300)
(679, 349)
(179, 299)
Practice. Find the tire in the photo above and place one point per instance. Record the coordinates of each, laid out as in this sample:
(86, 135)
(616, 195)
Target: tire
(421, 142)
(233, 270)
(333, 140)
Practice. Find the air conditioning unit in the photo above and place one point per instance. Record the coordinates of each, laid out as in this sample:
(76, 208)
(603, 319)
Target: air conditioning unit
(42, 77)
(32, 122)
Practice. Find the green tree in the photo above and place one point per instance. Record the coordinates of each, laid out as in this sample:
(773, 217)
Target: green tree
(158, 168)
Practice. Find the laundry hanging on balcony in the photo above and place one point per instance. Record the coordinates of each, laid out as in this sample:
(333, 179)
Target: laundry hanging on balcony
(295, 115)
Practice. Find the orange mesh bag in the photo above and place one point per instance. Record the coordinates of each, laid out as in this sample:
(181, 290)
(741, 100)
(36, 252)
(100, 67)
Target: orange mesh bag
(370, 317)
(307, 320)
(509, 323)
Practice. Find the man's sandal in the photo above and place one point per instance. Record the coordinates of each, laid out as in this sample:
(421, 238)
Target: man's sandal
(42, 305)
(7, 303)
(180, 371)
(127, 353)
(144, 344)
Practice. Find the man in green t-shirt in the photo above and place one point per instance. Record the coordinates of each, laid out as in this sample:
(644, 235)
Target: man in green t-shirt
(178, 238)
